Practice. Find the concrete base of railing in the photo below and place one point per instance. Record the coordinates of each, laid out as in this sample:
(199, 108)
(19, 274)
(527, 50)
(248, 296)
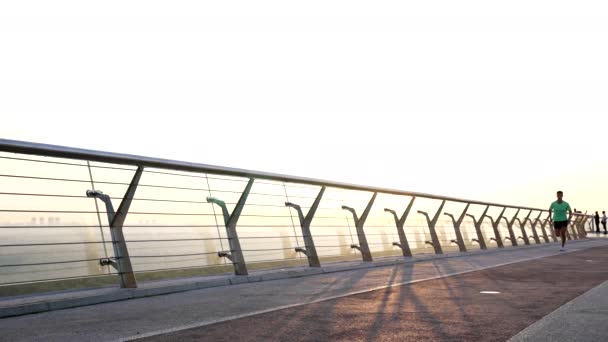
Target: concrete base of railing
(23, 305)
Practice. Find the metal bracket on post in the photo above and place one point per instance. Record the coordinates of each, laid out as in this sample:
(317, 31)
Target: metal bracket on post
(510, 224)
(533, 225)
(121, 260)
(495, 224)
(480, 239)
(109, 262)
(302, 250)
(225, 254)
(230, 221)
(400, 222)
(459, 240)
(305, 221)
(522, 227)
(363, 247)
(435, 239)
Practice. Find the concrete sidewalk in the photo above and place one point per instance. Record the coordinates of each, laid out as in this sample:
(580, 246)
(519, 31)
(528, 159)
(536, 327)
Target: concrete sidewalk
(28, 304)
(583, 319)
(123, 320)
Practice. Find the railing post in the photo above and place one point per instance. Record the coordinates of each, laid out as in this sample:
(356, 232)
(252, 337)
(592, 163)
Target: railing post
(435, 239)
(480, 239)
(522, 227)
(459, 240)
(551, 229)
(495, 224)
(121, 260)
(583, 227)
(510, 224)
(230, 220)
(581, 231)
(572, 228)
(573, 225)
(533, 225)
(305, 221)
(400, 222)
(543, 224)
(359, 223)
(577, 231)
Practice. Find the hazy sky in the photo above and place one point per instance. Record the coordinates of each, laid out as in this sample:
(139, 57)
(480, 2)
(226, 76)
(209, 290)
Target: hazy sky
(496, 100)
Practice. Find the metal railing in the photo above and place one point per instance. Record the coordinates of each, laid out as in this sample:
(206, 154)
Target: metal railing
(70, 213)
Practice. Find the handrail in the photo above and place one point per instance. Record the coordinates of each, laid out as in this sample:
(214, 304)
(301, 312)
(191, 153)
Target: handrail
(24, 147)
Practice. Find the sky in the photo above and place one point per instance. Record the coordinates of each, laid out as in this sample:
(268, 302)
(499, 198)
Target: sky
(503, 101)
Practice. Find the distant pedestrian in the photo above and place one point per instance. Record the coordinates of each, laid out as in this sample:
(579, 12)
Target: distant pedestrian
(597, 222)
(604, 219)
(560, 219)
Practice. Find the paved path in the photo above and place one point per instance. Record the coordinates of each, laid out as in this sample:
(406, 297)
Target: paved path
(447, 309)
(155, 315)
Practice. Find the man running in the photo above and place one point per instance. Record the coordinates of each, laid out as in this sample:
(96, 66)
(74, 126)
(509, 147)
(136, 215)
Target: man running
(560, 220)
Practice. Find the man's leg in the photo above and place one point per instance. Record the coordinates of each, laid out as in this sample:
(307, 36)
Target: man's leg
(562, 232)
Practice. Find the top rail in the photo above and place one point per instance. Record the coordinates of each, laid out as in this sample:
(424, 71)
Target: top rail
(24, 147)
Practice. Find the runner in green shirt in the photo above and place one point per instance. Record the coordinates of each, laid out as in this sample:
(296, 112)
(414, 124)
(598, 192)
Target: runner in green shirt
(560, 219)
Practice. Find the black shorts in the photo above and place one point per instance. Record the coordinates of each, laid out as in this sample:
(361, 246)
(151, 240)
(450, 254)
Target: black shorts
(560, 224)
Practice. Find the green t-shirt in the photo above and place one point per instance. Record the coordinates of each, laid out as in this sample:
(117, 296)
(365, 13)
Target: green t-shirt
(560, 210)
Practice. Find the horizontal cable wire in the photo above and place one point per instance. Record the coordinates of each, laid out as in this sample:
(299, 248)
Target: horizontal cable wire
(277, 260)
(171, 255)
(51, 263)
(56, 279)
